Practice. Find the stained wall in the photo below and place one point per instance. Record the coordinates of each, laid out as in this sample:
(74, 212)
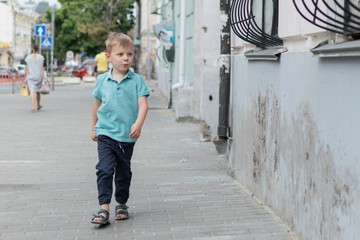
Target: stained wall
(295, 140)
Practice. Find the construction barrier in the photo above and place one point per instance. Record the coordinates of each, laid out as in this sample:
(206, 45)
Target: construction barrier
(7, 77)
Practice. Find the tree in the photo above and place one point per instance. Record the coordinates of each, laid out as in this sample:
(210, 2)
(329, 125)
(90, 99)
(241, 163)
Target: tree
(83, 25)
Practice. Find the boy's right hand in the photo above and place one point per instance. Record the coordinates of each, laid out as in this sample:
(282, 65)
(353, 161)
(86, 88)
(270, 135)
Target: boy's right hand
(93, 136)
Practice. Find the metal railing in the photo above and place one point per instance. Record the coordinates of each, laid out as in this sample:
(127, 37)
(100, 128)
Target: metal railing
(8, 77)
(242, 21)
(334, 16)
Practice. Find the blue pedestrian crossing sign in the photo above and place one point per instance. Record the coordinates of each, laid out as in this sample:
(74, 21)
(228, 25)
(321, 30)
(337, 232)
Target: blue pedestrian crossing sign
(46, 42)
(40, 30)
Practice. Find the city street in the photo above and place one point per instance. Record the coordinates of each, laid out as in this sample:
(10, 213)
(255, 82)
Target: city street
(180, 187)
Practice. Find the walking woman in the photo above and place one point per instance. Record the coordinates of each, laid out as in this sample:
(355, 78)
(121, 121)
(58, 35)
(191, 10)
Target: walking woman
(34, 76)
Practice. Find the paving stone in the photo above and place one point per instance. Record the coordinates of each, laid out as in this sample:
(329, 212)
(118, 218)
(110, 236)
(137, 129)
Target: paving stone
(180, 188)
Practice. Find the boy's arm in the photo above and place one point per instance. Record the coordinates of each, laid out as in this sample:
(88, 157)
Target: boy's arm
(96, 106)
(136, 127)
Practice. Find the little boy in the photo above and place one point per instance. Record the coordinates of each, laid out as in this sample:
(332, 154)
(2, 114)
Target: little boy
(119, 112)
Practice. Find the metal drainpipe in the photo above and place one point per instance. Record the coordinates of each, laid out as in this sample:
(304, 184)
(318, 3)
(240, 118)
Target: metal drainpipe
(148, 59)
(224, 86)
(137, 36)
(180, 84)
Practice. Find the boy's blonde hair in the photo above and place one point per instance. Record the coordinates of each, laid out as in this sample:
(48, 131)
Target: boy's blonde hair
(118, 38)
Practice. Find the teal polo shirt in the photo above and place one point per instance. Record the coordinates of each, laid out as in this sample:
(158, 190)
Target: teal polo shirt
(119, 104)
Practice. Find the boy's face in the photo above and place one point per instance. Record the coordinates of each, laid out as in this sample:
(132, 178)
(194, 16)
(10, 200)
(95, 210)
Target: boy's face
(121, 58)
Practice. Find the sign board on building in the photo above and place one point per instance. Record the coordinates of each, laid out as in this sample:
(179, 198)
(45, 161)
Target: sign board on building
(164, 31)
(40, 30)
(166, 35)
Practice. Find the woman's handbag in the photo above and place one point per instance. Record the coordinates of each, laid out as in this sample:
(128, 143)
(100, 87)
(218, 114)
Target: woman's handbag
(44, 89)
(24, 91)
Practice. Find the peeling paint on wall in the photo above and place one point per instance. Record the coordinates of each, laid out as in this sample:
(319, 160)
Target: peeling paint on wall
(280, 154)
(293, 145)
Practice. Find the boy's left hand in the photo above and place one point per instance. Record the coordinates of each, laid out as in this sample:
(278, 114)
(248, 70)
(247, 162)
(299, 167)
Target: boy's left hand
(135, 131)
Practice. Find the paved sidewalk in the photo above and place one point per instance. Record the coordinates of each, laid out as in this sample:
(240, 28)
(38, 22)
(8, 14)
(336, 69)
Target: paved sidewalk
(180, 188)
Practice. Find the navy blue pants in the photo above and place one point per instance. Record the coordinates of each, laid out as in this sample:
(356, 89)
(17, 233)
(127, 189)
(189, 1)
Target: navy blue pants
(114, 158)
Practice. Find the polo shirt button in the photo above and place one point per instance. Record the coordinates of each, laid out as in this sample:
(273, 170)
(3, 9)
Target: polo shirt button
(118, 88)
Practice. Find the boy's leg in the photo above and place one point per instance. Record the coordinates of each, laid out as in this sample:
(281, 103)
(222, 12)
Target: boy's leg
(123, 172)
(105, 170)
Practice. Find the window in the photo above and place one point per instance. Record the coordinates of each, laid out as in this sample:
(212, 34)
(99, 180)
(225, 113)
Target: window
(256, 21)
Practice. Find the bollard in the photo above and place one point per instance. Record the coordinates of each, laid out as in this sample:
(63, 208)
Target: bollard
(12, 83)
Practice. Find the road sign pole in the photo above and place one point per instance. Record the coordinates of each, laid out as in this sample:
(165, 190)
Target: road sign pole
(52, 46)
(12, 82)
(40, 44)
(47, 63)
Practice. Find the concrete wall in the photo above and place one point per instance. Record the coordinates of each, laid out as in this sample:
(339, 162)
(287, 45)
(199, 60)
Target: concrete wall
(200, 99)
(164, 81)
(206, 75)
(295, 145)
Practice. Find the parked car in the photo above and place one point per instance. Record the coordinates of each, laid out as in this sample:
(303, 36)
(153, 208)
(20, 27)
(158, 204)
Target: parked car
(79, 71)
(89, 63)
(13, 70)
(21, 69)
(3, 72)
(8, 71)
(67, 70)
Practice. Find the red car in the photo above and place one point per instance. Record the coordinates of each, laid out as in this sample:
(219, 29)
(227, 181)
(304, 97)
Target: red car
(79, 71)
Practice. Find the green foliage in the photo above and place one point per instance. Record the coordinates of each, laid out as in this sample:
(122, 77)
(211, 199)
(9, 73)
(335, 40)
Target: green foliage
(83, 25)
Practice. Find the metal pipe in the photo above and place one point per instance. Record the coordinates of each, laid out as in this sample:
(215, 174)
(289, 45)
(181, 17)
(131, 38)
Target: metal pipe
(148, 60)
(171, 67)
(180, 84)
(12, 82)
(52, 47)
(137, 36)
(224, 86)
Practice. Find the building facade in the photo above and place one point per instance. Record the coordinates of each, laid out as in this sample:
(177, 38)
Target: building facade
(191, 80)
(144, 39)
(292, 131)
(24, 24)
(17, 24)
(6, 34)
(294, 124)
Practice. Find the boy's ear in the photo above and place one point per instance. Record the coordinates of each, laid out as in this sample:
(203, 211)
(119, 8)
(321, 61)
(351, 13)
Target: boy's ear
(107, 55)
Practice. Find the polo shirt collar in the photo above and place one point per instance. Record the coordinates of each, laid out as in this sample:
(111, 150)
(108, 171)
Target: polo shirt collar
(110, 77)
